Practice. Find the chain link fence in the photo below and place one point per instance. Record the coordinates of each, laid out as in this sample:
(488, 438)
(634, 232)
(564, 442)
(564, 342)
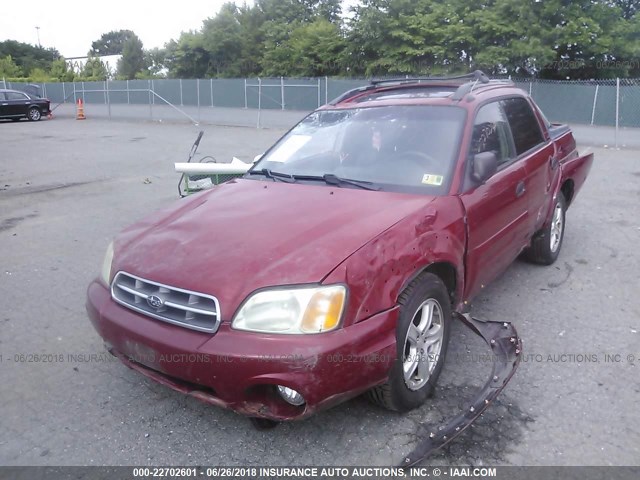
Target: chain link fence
(614, 102)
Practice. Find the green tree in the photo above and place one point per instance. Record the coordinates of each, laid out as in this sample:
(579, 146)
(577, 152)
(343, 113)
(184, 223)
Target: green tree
(251, 21)
(39, 75)
(8, 67)
(28, 57)
(277, 49)
(94, 69)
(628, 8)
(313, 49)
(550, 38)
(252, 40)
(627, 34)
(365, 38)
(60, 71)
(330, 10)
(111, 43)
(132, 61)
(286, 11)
(586, 34)
(222, 39)
(500, 36)
(155, 62)
(187, 58)
(391, 37)
(281, 19)
(507, 38)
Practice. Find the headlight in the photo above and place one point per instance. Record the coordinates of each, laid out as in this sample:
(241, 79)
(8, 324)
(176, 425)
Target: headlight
(106, 265)
(292, 311)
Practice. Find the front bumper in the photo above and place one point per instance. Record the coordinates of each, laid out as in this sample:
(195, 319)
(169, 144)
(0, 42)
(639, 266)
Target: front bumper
(239, 370)
(506, 346)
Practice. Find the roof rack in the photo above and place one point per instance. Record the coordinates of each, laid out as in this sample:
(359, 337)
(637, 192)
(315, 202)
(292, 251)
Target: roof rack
(350, 94)
(478, 75)
(466, 87)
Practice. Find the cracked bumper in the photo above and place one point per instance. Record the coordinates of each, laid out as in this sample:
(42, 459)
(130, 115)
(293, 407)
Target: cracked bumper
(506, 347)
(239, 370)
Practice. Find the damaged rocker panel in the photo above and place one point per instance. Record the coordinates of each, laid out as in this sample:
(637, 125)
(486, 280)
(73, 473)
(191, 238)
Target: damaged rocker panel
(506, 347)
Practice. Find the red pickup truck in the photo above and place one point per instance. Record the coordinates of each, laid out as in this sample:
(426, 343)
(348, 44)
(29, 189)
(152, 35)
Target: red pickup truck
(336, 264)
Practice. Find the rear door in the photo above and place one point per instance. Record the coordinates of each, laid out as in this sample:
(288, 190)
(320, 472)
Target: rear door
(535, 150)
(497, 211)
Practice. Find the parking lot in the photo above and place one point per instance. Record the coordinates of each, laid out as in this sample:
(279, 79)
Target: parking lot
(66, 187)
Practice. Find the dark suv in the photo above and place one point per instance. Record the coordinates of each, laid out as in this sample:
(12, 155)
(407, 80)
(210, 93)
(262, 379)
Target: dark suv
(16, 105)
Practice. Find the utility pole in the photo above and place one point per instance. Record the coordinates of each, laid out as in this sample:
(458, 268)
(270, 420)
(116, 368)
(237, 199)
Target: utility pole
(38, 30)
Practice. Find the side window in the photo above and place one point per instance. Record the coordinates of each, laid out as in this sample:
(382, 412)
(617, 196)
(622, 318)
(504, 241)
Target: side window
(524, 124)
(491, 133)
(15, 96)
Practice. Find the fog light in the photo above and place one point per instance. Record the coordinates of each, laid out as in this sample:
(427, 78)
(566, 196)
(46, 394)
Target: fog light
(290, 396)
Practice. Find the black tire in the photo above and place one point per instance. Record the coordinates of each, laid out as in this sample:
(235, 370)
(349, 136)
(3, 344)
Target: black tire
(546, 244)
(34, 114)
(396, 394)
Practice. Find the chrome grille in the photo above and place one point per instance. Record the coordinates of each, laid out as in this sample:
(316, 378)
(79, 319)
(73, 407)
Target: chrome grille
(173, 305)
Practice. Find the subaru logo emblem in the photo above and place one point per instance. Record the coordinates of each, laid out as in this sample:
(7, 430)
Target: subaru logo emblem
(155, 301)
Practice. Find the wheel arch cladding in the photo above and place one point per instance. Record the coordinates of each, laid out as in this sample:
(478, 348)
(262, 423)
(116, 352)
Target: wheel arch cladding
(447, 273)
(567, 190)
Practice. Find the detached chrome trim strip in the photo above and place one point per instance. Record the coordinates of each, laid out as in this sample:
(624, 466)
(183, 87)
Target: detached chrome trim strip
(215, 316)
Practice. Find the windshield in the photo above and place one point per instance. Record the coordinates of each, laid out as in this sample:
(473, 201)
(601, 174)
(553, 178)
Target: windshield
(399, 148)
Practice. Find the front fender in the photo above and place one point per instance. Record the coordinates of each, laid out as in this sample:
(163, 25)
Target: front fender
(379, 271)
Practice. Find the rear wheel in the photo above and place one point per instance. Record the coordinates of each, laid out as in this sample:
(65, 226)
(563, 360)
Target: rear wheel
(422, 336)
(545, 246)
(34, 114)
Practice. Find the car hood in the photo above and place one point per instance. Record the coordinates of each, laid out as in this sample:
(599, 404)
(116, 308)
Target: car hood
(248, 234)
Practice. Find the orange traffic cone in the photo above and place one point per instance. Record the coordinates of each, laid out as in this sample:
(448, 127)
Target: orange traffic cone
(80, 110)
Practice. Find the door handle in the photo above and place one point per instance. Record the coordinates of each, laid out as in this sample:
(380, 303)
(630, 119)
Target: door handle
(553, 162)
(520, 189)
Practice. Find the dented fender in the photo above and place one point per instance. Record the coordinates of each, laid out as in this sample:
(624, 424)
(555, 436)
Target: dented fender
(506, 347)
(380, 270)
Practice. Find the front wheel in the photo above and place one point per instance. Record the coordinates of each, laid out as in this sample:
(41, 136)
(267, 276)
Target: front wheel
(34, 114)
(422, 337)
(545, 246)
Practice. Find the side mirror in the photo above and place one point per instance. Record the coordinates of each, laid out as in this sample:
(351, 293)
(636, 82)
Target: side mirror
(485, 164)
(257, 157)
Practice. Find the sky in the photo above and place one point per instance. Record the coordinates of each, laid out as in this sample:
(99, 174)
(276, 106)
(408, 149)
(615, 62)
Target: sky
(71, 27)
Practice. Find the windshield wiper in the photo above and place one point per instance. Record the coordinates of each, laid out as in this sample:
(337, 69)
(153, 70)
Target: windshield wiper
(328, 178)
(279, 176)
(332, 179)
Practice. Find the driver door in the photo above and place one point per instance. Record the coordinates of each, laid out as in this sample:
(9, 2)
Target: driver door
(16, 103)
(497, 211)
